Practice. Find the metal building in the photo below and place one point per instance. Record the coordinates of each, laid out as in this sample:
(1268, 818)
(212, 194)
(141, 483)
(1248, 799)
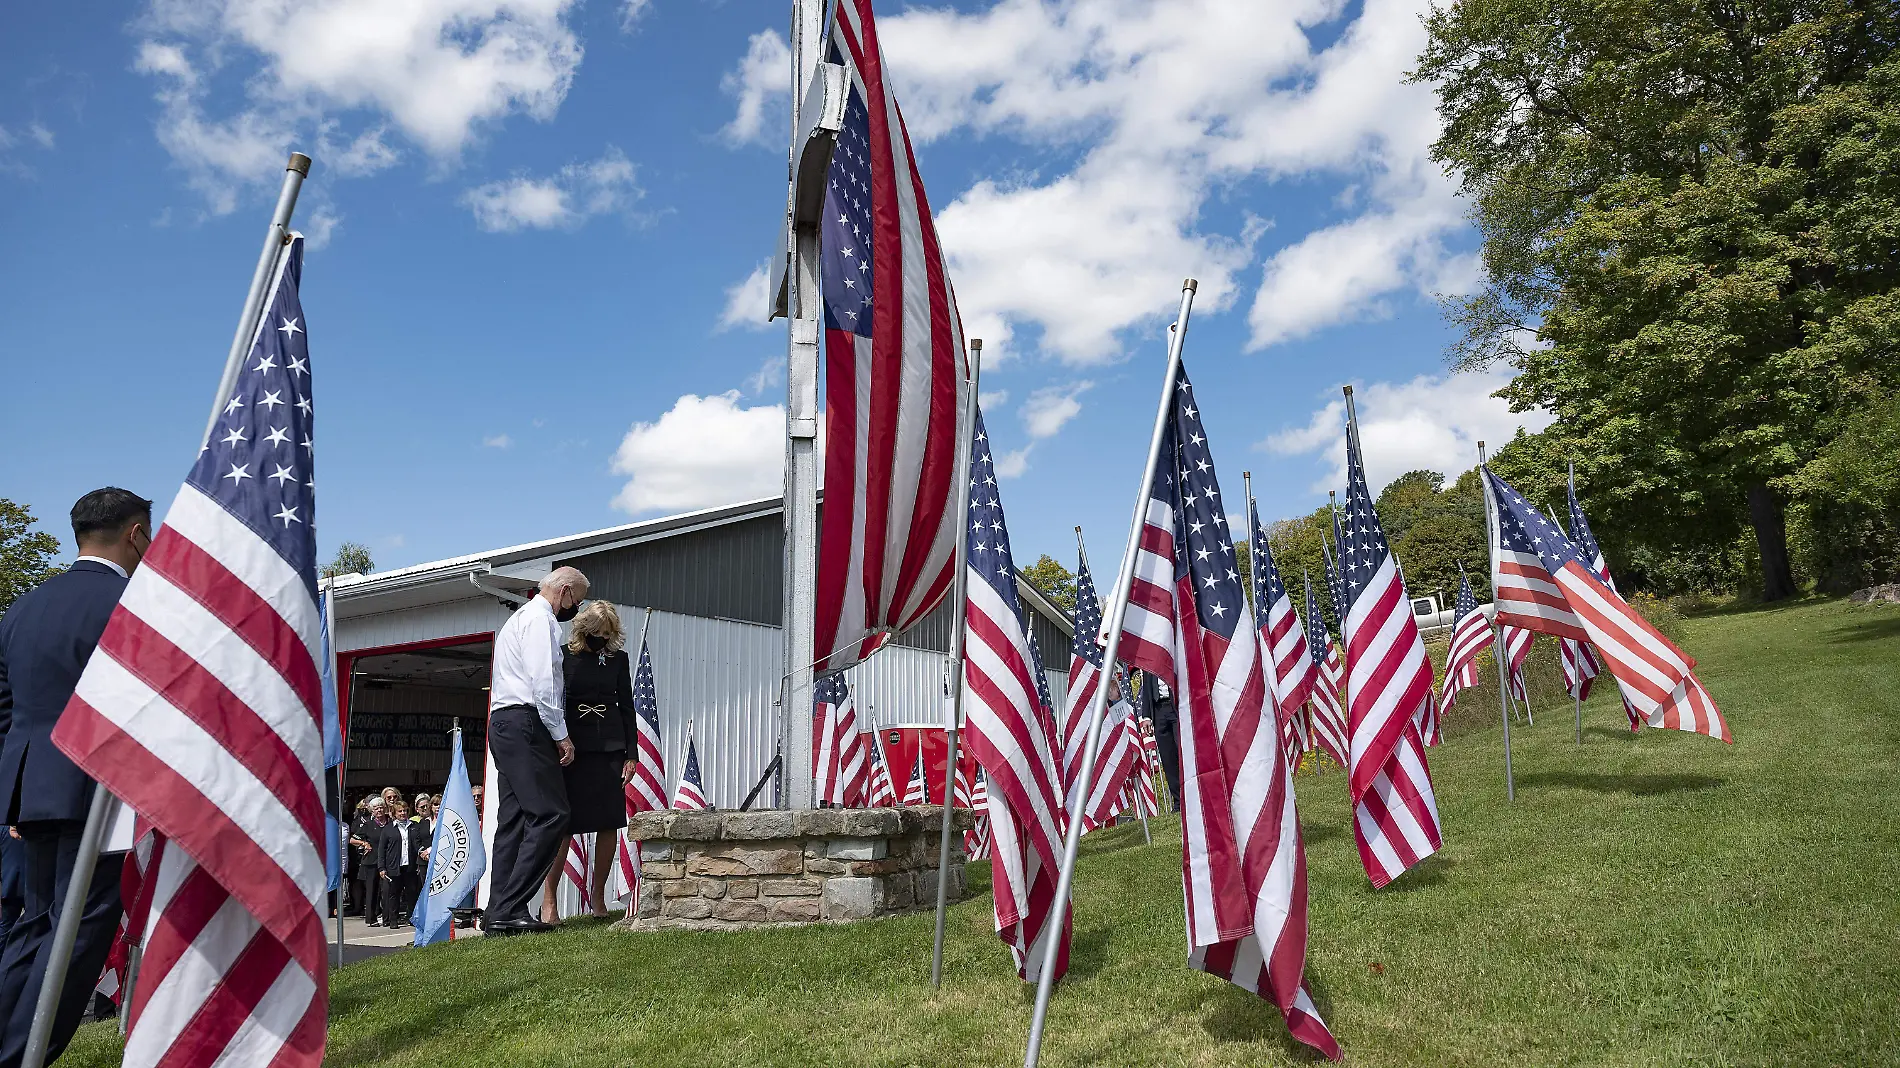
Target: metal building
(414, 646)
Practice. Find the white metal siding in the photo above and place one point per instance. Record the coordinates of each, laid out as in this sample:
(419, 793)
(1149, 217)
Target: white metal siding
(470, 615)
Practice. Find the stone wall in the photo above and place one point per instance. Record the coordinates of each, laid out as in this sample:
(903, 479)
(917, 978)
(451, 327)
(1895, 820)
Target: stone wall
(733, 870)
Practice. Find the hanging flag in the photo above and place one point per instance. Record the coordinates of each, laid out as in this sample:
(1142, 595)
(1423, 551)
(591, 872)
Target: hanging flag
(961, 799)
(1085, 673)
(1573, 601)
(646, 791)
(1470, 635)
(1328, 719)
(1290, 669)
(1389, 681)
(838, 758)
(1115, 764)
(1243, 864)
(202, 709)
(976, 840)
(456, 856)
(332, 744)
(917, 790)
(1582, 664)
(1008, 736)
(1517, 649)
(880, 793)
(895, 373)
(690, 794)
(1046, 718)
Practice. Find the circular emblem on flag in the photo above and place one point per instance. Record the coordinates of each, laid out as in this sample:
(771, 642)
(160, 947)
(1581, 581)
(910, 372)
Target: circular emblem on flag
(451, 855)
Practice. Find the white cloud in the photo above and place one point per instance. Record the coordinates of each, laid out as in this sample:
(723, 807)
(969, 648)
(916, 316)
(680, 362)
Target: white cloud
(1047, 410)
(1429, 422)
(319, 225)
(41, 136)
(761, 78)
(746, 299)
(1011, 464)
(1163, 107)
(437, 72)
(770, 374)
(497, 441)
(992, 399)
(564, 199)
(702, 452)
(631, 12)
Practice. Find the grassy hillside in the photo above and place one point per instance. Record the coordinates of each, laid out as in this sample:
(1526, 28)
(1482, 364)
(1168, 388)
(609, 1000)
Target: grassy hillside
(1650, 899)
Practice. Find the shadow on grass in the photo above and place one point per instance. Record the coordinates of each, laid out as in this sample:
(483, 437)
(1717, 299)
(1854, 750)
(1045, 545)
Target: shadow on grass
(1425, 875)
(1314, 833)
(1637, 785)
(1238, 1016)
(1867, 630)
(1613, 733)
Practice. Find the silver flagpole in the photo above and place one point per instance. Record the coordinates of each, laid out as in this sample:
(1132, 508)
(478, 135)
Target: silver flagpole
(1497, 628)
(1581, 648)
(1147, 838)
(90, 839)
(959, 598)
(342, 823)
(1118, 607)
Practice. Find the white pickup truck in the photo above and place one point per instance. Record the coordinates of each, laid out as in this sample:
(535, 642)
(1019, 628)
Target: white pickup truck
(1433, 620)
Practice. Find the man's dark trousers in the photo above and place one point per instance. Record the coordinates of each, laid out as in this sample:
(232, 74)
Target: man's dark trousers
(50, 847)
(531, 821)
(1169, 746)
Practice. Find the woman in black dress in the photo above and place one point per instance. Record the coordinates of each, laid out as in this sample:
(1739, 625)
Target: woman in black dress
(599, 683)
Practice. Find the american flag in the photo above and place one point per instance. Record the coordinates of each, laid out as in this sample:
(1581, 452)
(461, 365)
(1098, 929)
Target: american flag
(1388, 684)
(1581, 665)
(574, 867)
(838, 758)
(1085, 673)
(1116, 763)
(1470, 635)
(1517, 649)
(1243, 865)
(917, 791)
(1329, 695)
(894, 372)
(1291, 672)
(1009, 735)
(647, 791)
(1046, 705)
(1656, 678)
(1139, 795)
(690, 794)
(202, 710)
(880, 793)
(962, 797)
(976, 840)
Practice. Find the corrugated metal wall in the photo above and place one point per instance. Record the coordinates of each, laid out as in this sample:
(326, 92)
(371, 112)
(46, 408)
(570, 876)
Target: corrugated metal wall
(474, 615)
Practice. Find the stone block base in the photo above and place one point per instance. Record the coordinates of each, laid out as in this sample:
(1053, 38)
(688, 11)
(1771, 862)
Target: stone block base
(716, 871)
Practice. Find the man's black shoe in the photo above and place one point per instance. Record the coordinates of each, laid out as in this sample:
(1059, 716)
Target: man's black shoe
(504, 928)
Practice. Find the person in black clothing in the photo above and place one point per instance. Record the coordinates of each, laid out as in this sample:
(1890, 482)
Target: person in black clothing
(46, 638)
(403, 847)
(1157, 705)
(598, 678)
(366, 836)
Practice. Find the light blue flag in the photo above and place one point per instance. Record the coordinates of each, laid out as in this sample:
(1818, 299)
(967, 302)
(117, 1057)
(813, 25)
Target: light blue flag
(456, 857)
(332, 742)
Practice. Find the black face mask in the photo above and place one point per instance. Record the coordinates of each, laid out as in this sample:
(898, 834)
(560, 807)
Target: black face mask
(595, 643)
(562, 615)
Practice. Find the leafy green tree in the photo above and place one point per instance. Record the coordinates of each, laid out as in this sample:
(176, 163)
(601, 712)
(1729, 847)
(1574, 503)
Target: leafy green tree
(1406, 500)
(1055, 581)
(26, 555)
(351, 559)
(1690, 212)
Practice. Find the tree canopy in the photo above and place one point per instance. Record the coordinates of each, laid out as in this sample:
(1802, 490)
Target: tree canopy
(1055, 581)
(1691, 223)
(351, 559)
(26, 555)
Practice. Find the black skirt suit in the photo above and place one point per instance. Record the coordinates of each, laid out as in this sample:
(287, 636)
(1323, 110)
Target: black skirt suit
(600, 724)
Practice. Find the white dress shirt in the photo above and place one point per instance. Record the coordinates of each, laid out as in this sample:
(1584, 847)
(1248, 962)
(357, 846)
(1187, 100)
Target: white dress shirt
(108, 563)
(527, 667)
(402, 831)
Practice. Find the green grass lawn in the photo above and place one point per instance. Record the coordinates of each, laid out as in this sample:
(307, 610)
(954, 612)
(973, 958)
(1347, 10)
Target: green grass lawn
(1651, 899)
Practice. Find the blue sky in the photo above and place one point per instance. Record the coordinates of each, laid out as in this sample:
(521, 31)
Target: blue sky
(537, 230)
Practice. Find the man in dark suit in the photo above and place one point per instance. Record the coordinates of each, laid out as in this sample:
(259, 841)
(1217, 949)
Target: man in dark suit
(1157, 706)
(45, 640)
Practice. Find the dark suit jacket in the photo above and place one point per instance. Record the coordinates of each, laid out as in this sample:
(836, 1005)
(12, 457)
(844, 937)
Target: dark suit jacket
(389, 851)
(1152, 704)
(45, 640)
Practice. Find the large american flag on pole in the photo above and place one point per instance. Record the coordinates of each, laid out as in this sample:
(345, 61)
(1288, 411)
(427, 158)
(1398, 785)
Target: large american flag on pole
(1581, 662)
(1007, 734)
(894, 371)
(1388, 684)
(647, 791)
(838, 759)
(1291, 671)
(1572, 601)
(1470, 635)
(1243, 864)
(879, 793)
(202, 710)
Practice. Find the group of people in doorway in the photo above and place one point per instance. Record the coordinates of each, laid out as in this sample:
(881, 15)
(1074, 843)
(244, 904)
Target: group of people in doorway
(388, 841)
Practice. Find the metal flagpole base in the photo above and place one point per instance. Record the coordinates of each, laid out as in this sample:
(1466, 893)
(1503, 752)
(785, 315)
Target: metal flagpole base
(943, 863)
(1579, 719)
(67, 932)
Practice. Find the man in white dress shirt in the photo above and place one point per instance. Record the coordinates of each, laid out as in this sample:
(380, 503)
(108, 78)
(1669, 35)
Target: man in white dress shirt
(527, 733)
